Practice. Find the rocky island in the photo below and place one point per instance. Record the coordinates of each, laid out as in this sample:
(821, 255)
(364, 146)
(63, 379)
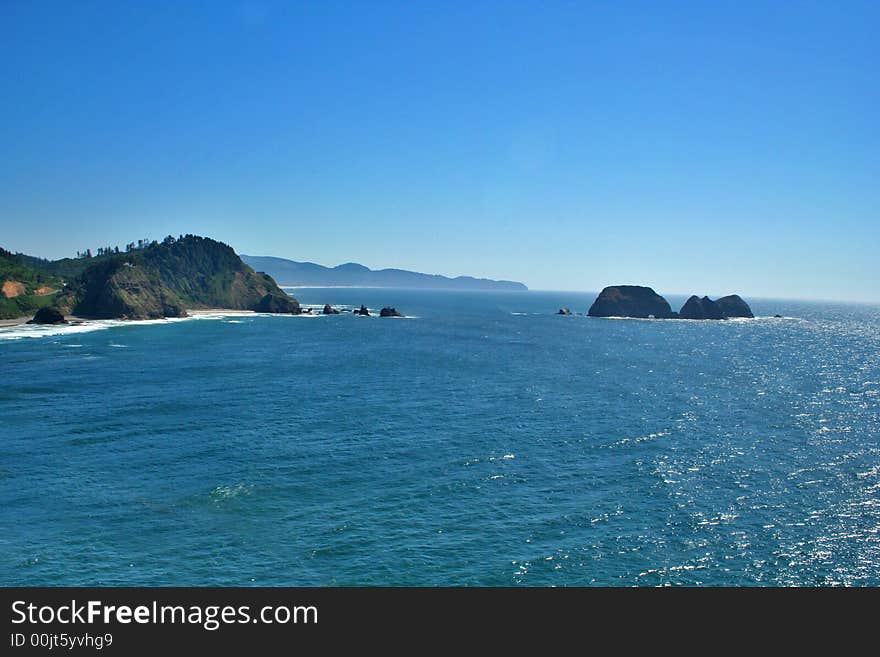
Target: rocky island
(630, 301)
(697, 308)
(733, 306)
(644, 302)
(723, 308)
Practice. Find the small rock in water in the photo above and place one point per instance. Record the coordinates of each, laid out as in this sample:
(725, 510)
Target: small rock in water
(564, 311)
(329, 310)
(363, 312)
(387, 311)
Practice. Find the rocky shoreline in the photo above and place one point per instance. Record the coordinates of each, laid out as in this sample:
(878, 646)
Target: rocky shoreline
(51, 316)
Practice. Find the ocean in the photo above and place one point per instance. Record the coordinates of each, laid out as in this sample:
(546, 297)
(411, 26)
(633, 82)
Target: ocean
(481, 441)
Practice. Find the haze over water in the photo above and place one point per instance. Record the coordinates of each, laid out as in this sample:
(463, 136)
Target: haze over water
(484, 441)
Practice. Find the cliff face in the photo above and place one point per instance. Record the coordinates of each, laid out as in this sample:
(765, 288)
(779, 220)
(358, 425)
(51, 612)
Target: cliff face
(205, 273)
(123, 290)
(164, 279)
(630, 301)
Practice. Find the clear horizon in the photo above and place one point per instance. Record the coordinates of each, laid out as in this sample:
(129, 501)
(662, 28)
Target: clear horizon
(685, 147)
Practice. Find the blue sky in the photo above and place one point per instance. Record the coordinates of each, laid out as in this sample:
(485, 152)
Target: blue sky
(705, 147)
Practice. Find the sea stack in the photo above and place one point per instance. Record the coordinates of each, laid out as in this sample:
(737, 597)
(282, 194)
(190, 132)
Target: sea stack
(363, 312)
(275, 303)
(48, 315)
(329, 310)
(725, 307)
(388, 311)
(697, 308)
(733, 306)
(564, 311)
(630, 301)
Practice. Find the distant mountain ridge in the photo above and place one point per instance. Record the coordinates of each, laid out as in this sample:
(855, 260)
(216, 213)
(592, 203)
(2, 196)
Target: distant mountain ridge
(292, 273)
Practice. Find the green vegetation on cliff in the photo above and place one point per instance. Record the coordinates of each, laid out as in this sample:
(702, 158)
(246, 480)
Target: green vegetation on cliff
(156, 280)
(116, 288)
(23, 288)
(205, 273)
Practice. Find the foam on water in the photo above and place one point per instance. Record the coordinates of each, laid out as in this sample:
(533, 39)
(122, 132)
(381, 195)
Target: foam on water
(38, 331)
(87, 326)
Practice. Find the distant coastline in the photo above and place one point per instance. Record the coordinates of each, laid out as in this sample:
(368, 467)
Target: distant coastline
(295, 274)
(283, 286)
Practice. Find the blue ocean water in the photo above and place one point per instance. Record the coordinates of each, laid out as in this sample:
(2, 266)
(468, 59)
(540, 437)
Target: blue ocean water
(484, 441)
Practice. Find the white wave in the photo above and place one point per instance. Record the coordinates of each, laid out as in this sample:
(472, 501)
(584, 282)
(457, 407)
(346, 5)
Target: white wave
(43, 331)
(638, 439)
(35, 331)
(708, 322)
(220, 493)
(285, 315)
